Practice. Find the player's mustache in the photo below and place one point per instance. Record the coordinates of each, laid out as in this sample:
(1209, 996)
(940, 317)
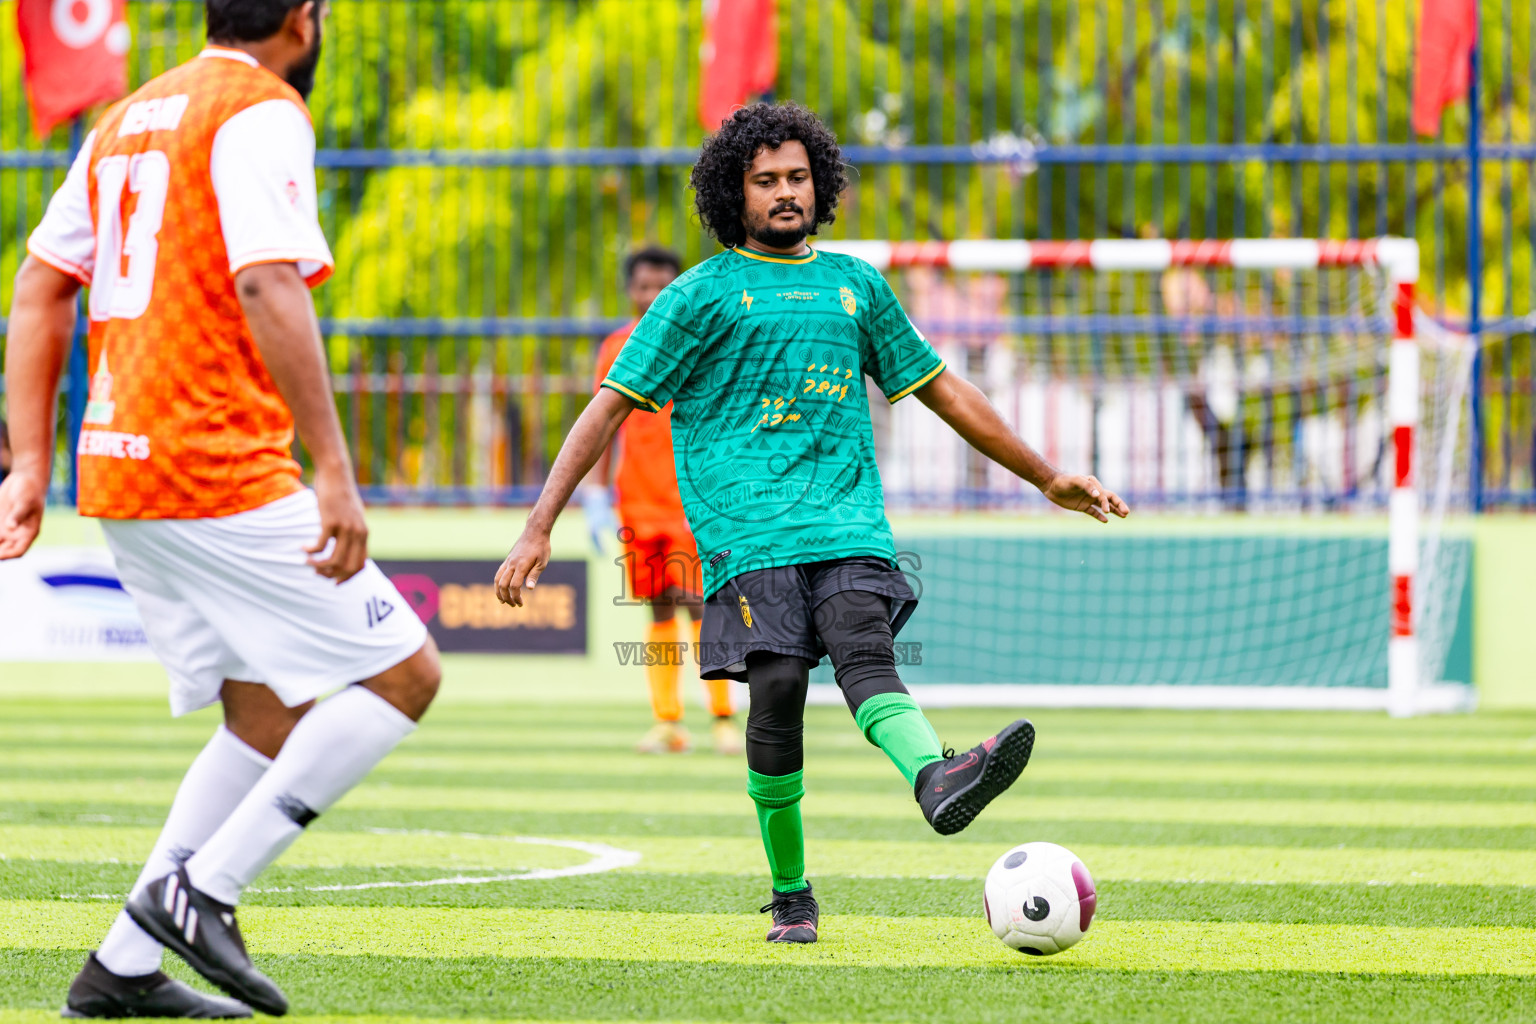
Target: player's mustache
(786, 208)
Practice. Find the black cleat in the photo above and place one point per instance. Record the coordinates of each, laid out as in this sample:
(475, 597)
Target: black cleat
(202, 931)
(97, 992)
(953, 791)
(795, 916)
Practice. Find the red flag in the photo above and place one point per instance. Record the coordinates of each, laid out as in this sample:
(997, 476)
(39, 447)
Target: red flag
(75, 53)
(1447, 32)
(740, 56)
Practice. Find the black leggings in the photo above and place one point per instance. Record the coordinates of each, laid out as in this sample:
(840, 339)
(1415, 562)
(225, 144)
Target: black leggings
(855, 628)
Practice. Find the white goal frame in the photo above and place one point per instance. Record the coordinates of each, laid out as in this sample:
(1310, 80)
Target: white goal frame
(1398, 259)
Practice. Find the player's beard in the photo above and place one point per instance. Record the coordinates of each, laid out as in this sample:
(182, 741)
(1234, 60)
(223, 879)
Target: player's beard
(302, 74)
(780, 238)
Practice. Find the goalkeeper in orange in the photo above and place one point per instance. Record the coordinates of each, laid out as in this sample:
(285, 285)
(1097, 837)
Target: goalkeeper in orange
(660, 557)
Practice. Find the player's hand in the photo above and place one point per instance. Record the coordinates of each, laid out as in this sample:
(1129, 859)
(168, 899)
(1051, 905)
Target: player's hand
(342, 528)
(526, 561)
(1085, 494)
(22, 497)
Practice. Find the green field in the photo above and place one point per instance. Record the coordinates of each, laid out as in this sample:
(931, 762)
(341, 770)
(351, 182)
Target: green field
(1251, 867)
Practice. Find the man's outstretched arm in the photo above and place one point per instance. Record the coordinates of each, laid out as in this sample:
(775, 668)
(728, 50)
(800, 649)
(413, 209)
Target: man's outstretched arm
(589, 438)
(41, 324)
(962, 405)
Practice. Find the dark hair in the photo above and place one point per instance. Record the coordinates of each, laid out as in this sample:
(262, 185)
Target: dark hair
(719, 195)
(247, 21)
(652, 255)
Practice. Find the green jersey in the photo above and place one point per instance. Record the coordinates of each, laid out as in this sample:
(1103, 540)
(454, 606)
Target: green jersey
(764, 359)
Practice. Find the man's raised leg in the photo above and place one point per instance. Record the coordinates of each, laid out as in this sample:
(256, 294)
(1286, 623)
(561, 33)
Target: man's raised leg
(951, 789)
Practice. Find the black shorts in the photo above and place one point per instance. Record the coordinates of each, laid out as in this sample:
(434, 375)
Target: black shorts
(771, 610)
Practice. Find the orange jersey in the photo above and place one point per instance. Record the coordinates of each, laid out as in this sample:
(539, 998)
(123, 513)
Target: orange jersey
(645, 475)
(200, 173)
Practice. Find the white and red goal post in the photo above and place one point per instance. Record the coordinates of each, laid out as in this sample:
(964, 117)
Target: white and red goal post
(1393, 261)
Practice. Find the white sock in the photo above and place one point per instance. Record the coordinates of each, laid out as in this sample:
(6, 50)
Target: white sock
(331, 750)
(214, 785)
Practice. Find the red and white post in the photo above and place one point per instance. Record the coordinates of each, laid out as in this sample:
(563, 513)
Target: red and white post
(1403, 681)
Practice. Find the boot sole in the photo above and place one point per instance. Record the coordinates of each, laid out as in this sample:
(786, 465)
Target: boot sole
(172, 940)
(1003, 766)
(795, 942)
(72, 1014)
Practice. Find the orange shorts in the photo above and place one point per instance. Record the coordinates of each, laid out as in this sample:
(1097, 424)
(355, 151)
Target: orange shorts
(658, 556)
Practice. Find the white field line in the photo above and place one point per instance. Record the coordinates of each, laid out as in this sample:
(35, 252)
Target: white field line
(604, 858)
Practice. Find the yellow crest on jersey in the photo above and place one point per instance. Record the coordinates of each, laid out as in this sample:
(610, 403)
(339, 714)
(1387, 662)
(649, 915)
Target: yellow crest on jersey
(746, 612)
(850, 304)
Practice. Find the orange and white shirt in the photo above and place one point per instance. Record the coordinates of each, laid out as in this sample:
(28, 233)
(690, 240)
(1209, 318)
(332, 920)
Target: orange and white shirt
(204, 171)
(645, 471)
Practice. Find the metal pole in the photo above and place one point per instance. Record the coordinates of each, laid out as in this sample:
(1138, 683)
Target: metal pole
(79, 369)
(1475, 259)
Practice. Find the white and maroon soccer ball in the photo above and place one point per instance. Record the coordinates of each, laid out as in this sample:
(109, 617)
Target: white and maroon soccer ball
(1039, 898)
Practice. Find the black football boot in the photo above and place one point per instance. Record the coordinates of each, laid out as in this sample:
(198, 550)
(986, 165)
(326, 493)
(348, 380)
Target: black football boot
(202, 931)
(953, 791)
(795, 916)
(97, 992)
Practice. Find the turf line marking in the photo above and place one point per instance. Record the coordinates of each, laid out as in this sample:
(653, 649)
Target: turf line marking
(604, 858)
(847, 940)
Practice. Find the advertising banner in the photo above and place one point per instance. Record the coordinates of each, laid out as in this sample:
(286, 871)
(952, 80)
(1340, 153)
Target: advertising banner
(66, 604)
(457, 601)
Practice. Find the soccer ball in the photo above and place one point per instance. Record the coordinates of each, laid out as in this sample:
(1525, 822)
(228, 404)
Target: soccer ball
(1039, 898)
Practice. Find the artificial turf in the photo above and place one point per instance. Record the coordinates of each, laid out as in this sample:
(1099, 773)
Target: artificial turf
(1252, 867)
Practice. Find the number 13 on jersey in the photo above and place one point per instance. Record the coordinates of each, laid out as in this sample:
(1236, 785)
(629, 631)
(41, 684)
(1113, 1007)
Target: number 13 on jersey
(125, 261)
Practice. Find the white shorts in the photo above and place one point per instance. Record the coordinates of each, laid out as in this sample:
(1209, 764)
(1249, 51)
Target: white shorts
(232, 598)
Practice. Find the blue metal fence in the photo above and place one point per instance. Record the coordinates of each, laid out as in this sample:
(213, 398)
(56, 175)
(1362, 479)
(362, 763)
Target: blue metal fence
(484, 164)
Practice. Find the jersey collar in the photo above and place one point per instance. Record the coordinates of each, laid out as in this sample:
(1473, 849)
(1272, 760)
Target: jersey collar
(230, 53)
(752, 254)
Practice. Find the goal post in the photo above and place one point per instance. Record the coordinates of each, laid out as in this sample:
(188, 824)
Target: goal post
(1353, 349)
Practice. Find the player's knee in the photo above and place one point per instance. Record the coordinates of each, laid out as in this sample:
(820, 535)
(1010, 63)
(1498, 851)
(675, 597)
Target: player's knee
(412, 684)
(778, 683)
(426, 675)
(775, 732)
(257, 717)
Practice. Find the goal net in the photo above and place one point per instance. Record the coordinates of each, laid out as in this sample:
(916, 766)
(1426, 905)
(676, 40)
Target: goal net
(1287, 426)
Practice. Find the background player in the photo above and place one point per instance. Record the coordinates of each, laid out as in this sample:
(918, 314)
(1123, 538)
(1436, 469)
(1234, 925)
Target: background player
(660, 558)
(764, 348)
(191, 213)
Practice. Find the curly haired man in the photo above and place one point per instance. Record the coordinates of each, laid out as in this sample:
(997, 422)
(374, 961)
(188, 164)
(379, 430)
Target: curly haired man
(763, 350)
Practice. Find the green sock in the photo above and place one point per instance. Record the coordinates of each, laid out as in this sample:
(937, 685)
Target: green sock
(894, 723)
(778, 819)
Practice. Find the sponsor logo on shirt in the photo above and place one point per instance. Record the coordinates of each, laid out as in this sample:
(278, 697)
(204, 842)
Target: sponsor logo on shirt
(850, 304)
(746, 300)
(162, 115)
(291, 190)
(99, 410)
(113, 444)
